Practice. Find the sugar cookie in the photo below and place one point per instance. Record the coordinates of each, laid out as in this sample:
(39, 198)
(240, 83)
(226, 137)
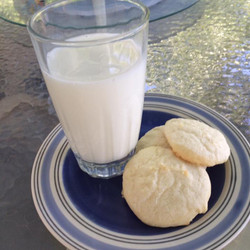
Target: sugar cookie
(196, 142)
(154, 137)
(164, 191)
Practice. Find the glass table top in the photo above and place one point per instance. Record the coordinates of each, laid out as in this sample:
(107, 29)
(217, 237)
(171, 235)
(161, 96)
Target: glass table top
(19, 11)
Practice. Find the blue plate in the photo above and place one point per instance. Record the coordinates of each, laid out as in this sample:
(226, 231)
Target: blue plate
(87, 213)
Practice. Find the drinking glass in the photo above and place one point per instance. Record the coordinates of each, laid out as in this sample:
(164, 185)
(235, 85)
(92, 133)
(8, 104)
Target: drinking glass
(92, 55)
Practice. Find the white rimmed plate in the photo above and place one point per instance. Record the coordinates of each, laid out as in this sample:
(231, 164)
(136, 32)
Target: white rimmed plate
(88, 213)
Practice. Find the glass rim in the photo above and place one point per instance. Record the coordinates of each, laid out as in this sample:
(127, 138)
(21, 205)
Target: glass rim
(89, 42)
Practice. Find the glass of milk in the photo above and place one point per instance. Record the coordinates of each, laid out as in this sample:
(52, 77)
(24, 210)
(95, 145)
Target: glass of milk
(92, 55)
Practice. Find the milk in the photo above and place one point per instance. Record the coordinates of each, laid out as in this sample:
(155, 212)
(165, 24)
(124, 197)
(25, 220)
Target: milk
(98, 96)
